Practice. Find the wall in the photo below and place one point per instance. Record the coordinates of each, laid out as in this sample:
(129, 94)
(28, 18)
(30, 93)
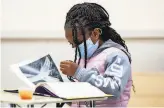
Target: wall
(45, 18)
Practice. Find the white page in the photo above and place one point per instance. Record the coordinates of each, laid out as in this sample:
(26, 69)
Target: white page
(71, 90)
(32, 72)
(15, 69)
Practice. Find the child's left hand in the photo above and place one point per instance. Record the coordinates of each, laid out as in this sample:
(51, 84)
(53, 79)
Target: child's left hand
(68, 67)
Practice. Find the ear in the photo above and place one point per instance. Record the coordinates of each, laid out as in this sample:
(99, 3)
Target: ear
(95, 34)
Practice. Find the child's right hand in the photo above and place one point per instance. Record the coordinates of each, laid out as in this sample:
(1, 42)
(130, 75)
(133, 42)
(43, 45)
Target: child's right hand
(68, 67)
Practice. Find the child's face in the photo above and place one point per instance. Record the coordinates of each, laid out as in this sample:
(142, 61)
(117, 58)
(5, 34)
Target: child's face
(69, 37)
(94, 35)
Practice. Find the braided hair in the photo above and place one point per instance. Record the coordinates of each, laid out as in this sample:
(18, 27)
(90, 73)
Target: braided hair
(91, 16)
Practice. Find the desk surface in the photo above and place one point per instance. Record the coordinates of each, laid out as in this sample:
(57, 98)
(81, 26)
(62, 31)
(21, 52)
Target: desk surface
(15, 99)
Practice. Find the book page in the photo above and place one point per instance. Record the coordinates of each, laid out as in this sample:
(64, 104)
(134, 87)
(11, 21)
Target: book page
(72, 90)
(33, 72)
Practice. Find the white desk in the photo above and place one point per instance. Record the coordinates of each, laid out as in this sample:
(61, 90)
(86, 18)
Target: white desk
(13, 98)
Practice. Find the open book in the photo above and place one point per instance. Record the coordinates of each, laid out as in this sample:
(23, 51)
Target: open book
(70, 90)
(43, 76)
(37, 71)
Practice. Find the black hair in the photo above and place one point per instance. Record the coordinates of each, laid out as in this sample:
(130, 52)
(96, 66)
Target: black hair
(91, 16)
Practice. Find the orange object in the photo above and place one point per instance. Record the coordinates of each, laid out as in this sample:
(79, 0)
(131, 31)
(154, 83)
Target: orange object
(25, 94)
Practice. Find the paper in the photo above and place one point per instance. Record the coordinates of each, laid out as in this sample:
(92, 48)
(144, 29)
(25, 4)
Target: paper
(72, 90)
(35, 71)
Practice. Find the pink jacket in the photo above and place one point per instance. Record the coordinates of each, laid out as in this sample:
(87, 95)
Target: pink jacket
(109, 69)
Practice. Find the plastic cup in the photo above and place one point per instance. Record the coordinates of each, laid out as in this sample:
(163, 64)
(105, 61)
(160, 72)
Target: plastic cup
(26, 93)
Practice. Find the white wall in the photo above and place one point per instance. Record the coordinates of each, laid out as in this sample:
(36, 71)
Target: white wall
(45, 18)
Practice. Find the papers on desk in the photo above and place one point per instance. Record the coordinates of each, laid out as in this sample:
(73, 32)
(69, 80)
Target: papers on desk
(35, 71)
(70, 90)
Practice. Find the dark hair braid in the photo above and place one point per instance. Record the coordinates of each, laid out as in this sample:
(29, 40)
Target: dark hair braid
(79, 55)
(114, 36)
(85, 45)
(74, 31)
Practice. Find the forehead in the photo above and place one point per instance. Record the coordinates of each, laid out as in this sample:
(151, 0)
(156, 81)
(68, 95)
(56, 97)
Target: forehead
(69, 31)
(69, 34)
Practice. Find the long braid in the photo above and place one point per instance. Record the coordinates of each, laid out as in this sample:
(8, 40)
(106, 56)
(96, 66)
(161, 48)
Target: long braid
(75, 55)
(79, 55)
(118, 38)
(114, 36)
(74, 32)
(85, 46)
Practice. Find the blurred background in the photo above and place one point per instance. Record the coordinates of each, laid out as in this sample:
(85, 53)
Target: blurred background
(34, 28)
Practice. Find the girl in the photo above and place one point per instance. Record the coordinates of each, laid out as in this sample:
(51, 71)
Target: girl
(103, 57)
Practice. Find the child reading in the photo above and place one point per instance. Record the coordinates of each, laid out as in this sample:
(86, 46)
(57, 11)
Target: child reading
(101, 55)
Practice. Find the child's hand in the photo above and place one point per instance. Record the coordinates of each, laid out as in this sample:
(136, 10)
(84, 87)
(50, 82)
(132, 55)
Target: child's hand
(68, 67)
